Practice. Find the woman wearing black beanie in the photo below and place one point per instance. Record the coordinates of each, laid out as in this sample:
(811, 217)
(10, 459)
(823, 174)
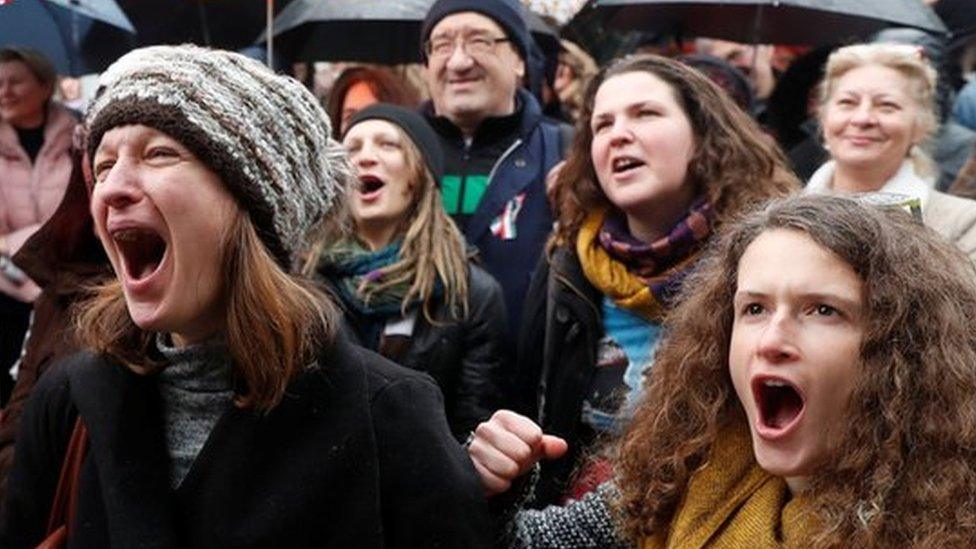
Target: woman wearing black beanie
(401, 270)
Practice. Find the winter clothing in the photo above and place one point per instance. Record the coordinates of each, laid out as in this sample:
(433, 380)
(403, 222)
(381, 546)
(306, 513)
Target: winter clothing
(637, 276)
(417, 128)
(951, 216)
(265, 135)
(494, 189)
(463, 356)
(195, 390)
(31, 191)
(356, 455)
(586, 522)
(507, 13)
(64, 257)
(557, 361)
(593, 317)
(732, 502)
(354, 272)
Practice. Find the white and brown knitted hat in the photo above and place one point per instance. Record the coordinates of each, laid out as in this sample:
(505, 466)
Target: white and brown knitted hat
(265, 135)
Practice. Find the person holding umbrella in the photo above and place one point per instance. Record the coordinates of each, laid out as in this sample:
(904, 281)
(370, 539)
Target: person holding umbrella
(401, 270)
(223, 407)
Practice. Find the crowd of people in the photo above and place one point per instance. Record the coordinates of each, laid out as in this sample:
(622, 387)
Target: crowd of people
(671, 301)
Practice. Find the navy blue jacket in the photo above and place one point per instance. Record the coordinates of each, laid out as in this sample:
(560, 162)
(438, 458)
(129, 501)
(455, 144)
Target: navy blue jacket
(520, 171)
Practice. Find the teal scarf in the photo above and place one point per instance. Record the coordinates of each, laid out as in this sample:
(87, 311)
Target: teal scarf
(353, 271)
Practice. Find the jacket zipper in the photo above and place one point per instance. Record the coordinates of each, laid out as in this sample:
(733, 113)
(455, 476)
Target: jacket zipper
(508, 151)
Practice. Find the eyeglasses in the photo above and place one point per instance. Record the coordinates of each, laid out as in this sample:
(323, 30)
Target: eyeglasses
(474, 46)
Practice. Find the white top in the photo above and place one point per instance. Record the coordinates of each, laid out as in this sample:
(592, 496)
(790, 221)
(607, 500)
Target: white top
(905, 182)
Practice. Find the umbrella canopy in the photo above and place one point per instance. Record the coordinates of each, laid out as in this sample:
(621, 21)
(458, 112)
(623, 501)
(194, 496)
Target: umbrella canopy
(78, 36)
(225, 24)
(370, 31)
(373, 31)
(544, 34)
(773, 21)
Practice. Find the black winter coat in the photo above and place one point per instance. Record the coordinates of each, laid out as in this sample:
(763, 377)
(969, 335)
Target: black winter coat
(358, 454)
(464, 358)
(561, 328)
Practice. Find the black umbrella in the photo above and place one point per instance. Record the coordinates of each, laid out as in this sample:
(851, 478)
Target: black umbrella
(225, 24)
(545, 34)
(373, 31)
(773, 21)
(79, 36)
(370, 31)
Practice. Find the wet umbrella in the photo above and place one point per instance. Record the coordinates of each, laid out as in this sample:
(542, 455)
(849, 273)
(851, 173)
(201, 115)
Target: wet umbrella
(225, 24)
(773, 21)
(370, 31)
(79, 36)
(544, 34)
(374, 31)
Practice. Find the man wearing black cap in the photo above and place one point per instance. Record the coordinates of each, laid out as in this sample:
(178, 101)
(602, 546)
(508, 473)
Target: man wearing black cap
(497, 146)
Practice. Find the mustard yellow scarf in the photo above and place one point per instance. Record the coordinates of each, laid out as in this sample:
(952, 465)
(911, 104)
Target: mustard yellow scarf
(733, 503)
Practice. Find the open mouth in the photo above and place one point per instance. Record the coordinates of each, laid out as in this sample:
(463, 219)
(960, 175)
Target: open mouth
(142, 251)
(780, 402)
(624, 164)
(369, 184)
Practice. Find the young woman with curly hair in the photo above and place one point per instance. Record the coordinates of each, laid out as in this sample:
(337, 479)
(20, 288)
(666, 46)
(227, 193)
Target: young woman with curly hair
(661, 158)
(814, 390)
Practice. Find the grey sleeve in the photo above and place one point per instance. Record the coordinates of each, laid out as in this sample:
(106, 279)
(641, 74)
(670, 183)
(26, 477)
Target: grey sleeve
(584, 523)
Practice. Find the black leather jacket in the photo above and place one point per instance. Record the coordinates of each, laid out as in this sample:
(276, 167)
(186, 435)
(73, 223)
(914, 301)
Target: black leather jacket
(464, 358)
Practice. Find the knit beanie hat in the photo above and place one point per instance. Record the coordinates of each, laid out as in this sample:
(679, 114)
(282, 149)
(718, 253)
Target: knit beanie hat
(265, 135)
(414, 125)
(507, 13)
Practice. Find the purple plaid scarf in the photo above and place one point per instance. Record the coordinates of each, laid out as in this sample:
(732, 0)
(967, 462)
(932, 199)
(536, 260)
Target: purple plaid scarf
(663, 264)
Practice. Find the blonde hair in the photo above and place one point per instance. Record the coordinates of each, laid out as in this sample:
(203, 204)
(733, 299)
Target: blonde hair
(910, 62)
(433, 248)
(276, 323)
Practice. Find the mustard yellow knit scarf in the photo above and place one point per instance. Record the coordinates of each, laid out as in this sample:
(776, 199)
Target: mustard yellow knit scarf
(733, 503)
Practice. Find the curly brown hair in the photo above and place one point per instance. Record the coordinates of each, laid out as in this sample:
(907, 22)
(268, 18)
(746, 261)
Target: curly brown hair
(734, 163)
(904, 473)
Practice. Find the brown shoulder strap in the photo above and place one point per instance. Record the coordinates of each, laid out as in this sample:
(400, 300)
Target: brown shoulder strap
(66, 497)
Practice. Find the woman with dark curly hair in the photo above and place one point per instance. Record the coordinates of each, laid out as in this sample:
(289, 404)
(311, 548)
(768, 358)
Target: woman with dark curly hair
(662, 156)
(815, 390)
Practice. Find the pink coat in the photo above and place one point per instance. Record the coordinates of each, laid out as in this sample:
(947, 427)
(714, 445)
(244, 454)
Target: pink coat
(29, 194)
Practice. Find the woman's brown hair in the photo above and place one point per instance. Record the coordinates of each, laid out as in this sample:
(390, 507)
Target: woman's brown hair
(904, 473)
(432, 251)
(276, 323)
(734, 164)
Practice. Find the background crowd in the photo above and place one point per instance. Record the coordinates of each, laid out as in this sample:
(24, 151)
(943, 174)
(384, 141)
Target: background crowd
(681, 291)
